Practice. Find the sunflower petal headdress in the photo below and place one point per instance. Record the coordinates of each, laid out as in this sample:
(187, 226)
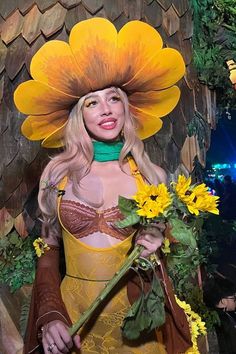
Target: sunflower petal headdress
(98, 57)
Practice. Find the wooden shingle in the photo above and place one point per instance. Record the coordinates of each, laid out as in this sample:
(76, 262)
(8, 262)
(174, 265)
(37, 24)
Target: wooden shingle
(171, 21)
(25, 5)
(75, 15)
(93, 6)
(133, 9)
(45, 4)
(153, 14)
(31, 28)
(16, 57)
(165, 4)
(68, 4)
(12, 27)
(113, 9)
(181, 6)
(53, 20)
(7, 8)
(3, 54)
(186, 24)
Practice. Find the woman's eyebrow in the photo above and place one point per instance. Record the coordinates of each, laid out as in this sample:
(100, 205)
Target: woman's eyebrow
(94, 95)
(91, 96)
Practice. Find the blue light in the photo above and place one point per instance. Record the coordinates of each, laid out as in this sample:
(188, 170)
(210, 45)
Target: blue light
(221, 166)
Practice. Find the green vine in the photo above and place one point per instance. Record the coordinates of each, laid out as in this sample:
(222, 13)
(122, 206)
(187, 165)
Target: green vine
(184, 273)
(214, 42)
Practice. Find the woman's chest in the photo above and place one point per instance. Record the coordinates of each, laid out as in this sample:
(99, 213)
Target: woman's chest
(101, 189)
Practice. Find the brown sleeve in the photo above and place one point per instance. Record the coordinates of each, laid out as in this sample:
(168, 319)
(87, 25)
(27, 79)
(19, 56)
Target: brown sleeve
(175, 331)
(46, 301)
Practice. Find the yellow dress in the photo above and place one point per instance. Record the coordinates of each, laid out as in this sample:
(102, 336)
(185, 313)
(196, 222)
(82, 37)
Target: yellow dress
(88, 269)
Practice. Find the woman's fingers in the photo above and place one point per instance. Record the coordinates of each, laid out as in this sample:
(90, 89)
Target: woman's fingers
(76, 340)
(50, 346)
(56, 338)
(150, 247)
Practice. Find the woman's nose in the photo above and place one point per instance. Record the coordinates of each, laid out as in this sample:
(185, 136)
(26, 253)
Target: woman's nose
(106, 109)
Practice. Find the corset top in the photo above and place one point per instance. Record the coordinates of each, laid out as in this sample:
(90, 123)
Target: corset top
(82, 220)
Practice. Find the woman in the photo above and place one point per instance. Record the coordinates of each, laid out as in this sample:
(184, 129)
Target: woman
(102, 159)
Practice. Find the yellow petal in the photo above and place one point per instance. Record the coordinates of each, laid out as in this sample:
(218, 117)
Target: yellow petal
(156, 103)
(55, 65)
(39, 127)
(148, 125)
(136, 42)
(93, 43)
(34, 98)
(161, 70)
(55, 139)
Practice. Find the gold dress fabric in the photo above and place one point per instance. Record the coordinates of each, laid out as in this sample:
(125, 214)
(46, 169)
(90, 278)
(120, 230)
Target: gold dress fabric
(103, 333)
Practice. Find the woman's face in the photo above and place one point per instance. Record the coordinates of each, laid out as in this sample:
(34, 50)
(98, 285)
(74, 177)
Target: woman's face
(230, 303)
(104, 115)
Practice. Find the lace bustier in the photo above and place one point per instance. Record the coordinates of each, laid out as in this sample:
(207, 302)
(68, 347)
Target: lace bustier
(81, 220)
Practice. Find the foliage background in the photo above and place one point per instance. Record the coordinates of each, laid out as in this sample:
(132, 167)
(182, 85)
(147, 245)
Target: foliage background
(214, 42)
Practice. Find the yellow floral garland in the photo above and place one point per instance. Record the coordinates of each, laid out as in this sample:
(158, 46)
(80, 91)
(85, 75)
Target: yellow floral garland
(40, 246)
(196, 325)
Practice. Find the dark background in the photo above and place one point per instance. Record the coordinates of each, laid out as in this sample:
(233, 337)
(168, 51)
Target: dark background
(223, 141)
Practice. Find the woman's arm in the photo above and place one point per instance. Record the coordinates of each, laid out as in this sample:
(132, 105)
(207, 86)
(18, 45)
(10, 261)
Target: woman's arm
(48, 316)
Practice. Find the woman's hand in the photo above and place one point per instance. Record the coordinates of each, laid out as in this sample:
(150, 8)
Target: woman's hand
(151, 238)
(56, 338)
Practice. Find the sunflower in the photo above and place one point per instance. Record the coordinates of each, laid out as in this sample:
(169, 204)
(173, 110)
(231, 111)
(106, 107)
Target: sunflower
(97, 57)
(182, 186)
(203, 201)
(196, 198)
(152, 200)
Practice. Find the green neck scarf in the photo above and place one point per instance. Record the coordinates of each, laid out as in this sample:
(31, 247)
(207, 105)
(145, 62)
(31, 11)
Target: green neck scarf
(107, 151)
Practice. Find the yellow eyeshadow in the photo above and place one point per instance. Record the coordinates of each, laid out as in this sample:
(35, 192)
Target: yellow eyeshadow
(87, 103)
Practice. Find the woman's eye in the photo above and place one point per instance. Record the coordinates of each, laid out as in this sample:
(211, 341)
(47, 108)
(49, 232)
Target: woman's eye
(115, 98)
(90, 103)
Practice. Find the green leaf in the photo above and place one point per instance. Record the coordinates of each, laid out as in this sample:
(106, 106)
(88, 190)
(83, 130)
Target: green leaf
(182, 233)
(146, 314)
(126, 205)
(133, 321)
(130, 220)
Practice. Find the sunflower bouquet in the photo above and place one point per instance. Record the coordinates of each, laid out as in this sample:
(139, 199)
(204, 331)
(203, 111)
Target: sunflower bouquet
(181, 206)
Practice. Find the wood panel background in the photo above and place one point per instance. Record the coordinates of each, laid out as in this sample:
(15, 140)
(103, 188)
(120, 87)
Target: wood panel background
(24, 26)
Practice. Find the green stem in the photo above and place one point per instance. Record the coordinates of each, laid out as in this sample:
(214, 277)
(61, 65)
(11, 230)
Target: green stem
(108, 287)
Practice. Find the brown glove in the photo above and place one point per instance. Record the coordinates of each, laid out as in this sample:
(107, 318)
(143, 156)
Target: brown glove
(46, 301)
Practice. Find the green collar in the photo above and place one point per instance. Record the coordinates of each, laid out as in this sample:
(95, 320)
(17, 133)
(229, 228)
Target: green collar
(107, 151)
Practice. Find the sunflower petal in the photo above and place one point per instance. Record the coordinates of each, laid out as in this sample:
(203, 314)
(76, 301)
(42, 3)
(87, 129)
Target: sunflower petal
(55, 139)
(160, 71)
(39, 127)
(156, 103)
(55, 65)
(93, 43)
(41, 99)
(148, 125)
(136, 42)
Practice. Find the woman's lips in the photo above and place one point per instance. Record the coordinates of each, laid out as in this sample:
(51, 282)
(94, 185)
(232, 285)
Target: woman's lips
(107, 124)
